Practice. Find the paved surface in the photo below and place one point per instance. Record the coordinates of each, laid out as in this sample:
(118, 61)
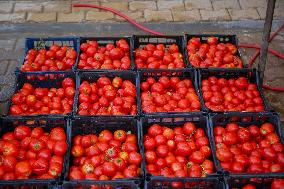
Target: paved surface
(12, 46)
(20, 11)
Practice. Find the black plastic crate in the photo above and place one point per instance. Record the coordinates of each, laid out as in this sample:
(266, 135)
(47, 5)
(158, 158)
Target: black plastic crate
(9, 124)
(43, 81)
(103, 41)
(45, 43)
(84, 126)
(187, 183)
(221, 39)
(251, 74)
(244, 120)
(180, 73)
(92, 76)
(139, 41)
(260, 182)
(173, 121)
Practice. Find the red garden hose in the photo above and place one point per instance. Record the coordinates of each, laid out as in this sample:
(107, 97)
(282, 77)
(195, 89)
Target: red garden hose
(256, 54)
(252, 60)
(119, 14)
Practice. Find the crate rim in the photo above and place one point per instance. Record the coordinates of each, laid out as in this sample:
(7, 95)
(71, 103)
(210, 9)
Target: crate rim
(181, 49)
(193, 73)
(64, 38)
(206, 130)
(254, 71)
(49, 182)
(18, 75)
(278, 127)
(79, 81)
(187, 36)
(85, 38)
(92, 119)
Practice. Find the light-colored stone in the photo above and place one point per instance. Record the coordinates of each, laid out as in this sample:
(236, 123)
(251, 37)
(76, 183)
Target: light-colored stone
(41, 17)
(121, 6)
(166, 5)
(261, 11)
(222, 4)
(71, 17)
(188, 16)
(6, 7)
(27, 7)
(57, 6)
(244, 14)
(279, 12)
(141, 5)
(137, 16)
(85, 9)
(221, 14)
(198, 4)
(15, 17)
(98, 16)
(157, 16)
(245, 4)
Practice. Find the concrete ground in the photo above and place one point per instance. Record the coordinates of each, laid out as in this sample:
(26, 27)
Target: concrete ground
(12, 46)
(31, 11)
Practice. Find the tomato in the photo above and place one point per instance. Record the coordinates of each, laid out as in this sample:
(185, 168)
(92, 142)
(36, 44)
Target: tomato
(135, 158)
(37, 132)
(77, 151)
(22, 132)
(230, 138)
(269, 154)
(87, 168)
(55, 169)
(243, 134)
(60, 148)
(57, 159)
(155, 130)
(266, 129)
(183, 148)
(150, 156)
(76, 175)
(119, 164)
(149, 144)
(277, 184)
(58, 134)
(9, 163)
(109, 169)
(40, 166)
(162, 150)
(249, 186)
(105, 136)
(130, 173)
(224, 154)
(189, 128)
(36, 145)
(120, 135)
(272, 138)
(9, 149)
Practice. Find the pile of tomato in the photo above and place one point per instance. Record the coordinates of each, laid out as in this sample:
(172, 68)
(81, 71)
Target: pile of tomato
(239, 94)
(182, 151)
(252, 149)
(56, 58)
(107, 97)
(112, 56)
(159, 57)
(276, 184)
(107, 156)
(212, 54)
(32, 153)
(29, 100)
(168, 94)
